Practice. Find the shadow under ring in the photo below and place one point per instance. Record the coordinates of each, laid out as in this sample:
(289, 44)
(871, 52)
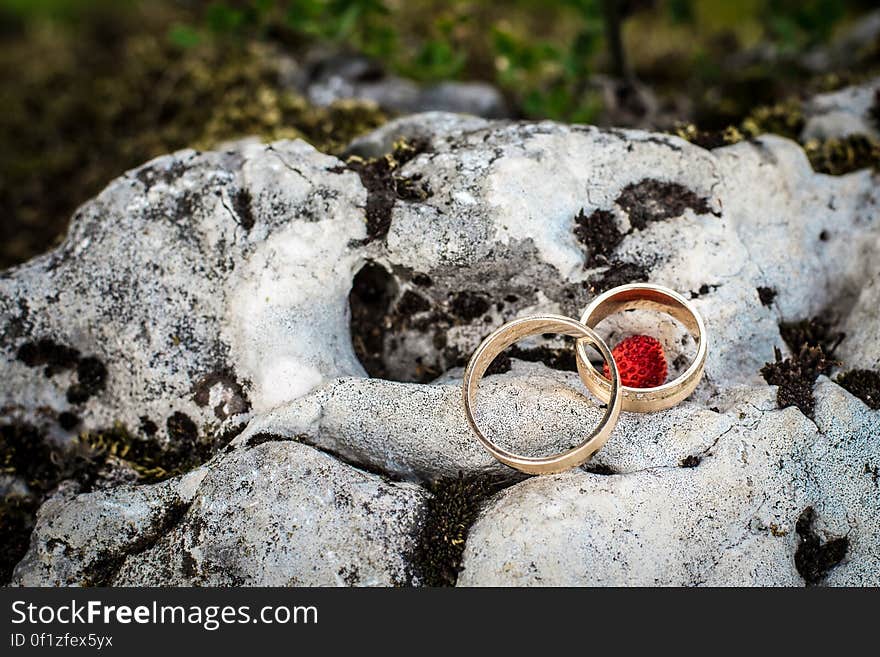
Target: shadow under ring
(512, 332)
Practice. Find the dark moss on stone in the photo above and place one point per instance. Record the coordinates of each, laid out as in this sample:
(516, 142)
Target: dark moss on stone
(27, 454)
(378, 176)
(151, 462)
(68, 420)
(864, 384)
(236, 400)
(838, 156)
(91, 374)
(814, 332)
(617, 273)
(709, 139)
(242, 205)
(16, 524)
(655, 200)
(691, 461)
(469, 305)
(148, 427)
(261, 438)
(796, 376)
(449, 514)
(703, 290)
(412, 303)
(785, 118)
(181, 428)
(56, 357)
(599, 233)
(600, 469)
(874, 110)
(413, 188)
(422, 280)
(813, 557)
(767, 295)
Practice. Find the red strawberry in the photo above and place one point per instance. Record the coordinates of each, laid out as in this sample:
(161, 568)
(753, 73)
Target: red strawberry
(640, 361)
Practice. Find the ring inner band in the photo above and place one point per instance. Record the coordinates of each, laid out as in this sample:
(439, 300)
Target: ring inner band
(645, 297)
(505, 336)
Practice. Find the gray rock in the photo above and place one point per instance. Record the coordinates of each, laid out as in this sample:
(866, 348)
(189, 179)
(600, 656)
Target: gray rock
(419, 431)
(275, 514)
(842, 113)
(176, 279)
(262, 283)
(730, 521)
(861, 348)
(341, 76)
(82, 539)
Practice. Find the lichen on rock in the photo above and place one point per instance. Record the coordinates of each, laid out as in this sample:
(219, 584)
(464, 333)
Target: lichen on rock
(242, 289)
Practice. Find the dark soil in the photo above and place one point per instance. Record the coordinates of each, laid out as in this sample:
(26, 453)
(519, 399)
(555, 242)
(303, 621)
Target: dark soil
(600, 234)
(384, 187)
(864, 384)
(795, 377)
(449, 514)
(813, 558)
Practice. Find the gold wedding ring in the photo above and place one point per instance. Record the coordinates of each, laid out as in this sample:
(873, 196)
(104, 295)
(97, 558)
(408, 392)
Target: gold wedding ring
(649, 297)
(505, 336)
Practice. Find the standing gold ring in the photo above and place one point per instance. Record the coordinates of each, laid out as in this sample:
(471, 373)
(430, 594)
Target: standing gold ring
(649, 297)
(505, 336)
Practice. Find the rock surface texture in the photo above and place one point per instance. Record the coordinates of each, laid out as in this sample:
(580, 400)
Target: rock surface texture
(240, 299)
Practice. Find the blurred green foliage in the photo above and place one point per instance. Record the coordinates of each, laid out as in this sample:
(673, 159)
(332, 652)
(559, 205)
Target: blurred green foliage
(92, 87)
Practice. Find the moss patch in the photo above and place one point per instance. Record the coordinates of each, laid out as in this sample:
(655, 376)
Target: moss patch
(24, 453)
(91, 373)
(814, 558)
(795, 377)
(814, 332)
(151, 462)
(785, 118)
(709, 139)
(834, 156)
(767, 295)
(652, 200)
(56, 357)
(16, 524)
(812, 343)
(599, 233)
(450, 512)
(864, 384)
(469, 305)
(617, 273)
(384, 186)
(557, 359)
(874, 110)
(838, 156)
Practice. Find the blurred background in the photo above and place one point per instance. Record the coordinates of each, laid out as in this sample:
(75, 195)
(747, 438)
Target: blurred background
(90, 88)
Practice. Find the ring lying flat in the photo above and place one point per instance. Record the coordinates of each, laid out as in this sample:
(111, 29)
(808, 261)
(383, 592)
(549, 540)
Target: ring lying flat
(505, 336)
(650, 297)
